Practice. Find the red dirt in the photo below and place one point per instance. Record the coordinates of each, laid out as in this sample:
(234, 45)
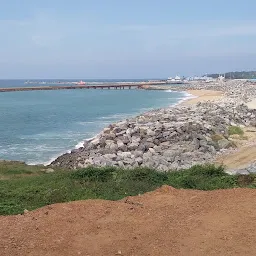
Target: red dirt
(164, 222)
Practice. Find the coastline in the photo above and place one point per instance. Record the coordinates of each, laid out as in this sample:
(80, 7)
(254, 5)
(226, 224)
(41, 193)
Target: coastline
(172, 138)
(187, 97)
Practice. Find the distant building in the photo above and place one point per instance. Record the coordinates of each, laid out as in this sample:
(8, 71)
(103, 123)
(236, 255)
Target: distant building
(221, 78)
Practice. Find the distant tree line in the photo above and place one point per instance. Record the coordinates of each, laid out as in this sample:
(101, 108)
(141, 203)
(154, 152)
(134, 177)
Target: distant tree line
(236, 75)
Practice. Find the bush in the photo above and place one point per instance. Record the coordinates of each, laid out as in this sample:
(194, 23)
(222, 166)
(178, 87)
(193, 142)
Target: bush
(94, 174)
(202, 177)
(146, 175)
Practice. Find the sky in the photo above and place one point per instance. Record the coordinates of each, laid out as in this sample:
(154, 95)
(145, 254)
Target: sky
(104, 39)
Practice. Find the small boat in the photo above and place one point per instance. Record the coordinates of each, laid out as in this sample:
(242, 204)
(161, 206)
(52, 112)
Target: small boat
(80, 83)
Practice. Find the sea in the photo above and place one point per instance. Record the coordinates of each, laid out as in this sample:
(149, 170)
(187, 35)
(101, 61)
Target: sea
(38, 126)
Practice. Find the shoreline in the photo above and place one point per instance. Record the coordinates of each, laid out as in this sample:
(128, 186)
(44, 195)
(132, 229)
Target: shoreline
(172, 138)
(204, 111)
(187, 97)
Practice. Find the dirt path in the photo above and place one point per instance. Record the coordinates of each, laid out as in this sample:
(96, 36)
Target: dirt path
(165, 222)
(244, 155)
(239, 159)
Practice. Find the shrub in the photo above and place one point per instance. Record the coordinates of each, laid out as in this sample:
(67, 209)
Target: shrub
(103, 174)
(146, 175)
(202, 177)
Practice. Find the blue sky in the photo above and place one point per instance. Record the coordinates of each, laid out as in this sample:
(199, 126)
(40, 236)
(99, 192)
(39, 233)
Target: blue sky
(125, 39)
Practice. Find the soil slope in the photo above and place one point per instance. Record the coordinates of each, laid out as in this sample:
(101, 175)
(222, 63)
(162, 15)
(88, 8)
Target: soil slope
(164, 222)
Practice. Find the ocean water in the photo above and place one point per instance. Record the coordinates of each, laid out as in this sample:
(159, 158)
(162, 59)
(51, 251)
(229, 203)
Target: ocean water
(38, 126)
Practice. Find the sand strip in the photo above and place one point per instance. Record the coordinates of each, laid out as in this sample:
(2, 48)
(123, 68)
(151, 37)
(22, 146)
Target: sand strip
(203, 95)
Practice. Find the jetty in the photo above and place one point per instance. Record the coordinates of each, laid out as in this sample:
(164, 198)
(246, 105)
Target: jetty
(139, 85)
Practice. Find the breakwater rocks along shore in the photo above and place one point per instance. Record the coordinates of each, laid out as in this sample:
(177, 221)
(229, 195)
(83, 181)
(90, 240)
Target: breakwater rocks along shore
(172, 138)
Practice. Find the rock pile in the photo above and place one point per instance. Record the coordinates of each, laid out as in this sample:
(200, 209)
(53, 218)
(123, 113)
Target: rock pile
(166, 139)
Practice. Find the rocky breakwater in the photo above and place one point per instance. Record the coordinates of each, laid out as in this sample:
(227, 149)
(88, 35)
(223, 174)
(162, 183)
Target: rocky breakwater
(240, 90)
(165, 139)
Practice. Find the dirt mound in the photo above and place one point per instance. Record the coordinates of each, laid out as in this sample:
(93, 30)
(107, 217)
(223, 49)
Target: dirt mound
(164, 222)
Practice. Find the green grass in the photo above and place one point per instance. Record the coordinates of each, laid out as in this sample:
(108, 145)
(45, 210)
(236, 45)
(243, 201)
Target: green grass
(12, 169)
(27, 187)
(235, 130)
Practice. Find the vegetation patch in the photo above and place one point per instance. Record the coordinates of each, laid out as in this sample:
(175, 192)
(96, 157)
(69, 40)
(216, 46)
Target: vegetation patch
(37, 188)
(235, 130)
(245, 180)
(15, 169)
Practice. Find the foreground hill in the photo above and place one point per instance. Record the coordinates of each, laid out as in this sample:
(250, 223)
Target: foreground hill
(167, 222)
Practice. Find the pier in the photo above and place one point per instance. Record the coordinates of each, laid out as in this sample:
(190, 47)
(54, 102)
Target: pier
(140, 85)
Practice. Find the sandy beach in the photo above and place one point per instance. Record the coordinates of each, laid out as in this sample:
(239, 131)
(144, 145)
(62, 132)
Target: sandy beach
(203, 95)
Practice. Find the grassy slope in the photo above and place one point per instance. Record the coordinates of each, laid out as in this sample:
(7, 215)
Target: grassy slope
(27, 187)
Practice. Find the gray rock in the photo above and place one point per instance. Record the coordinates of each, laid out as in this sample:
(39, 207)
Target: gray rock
(151, 133)
(138, 153)
(106, 130)
(149, 145)
(125, 139)
(111, 156)
(252, 168)
(242, 172)
(136, 140)
(133, 146)
(120, 145)
(163, 168)
(123, 155)
(49, 170)
(113, 147)
(121, 164)
(166, 134)
(139, 160)
(95, 141)
(225, 144)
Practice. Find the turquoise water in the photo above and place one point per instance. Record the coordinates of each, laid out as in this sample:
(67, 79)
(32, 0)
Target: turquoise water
(38, 126)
